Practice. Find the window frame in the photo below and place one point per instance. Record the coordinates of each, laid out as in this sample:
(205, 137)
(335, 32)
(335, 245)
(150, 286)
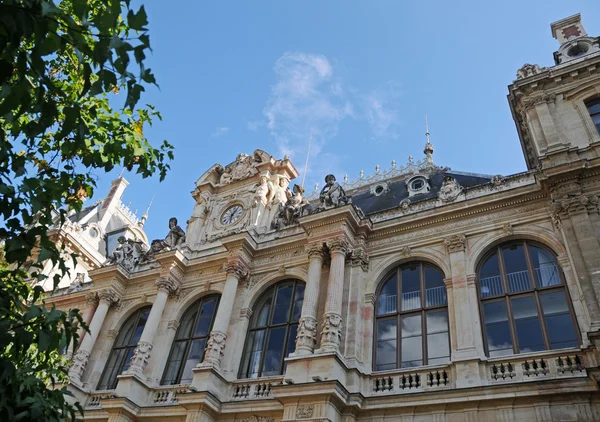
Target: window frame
(111, 385)
(398, 314)
(269, 326)
(190, 339)
(588, 105)
(535, 292)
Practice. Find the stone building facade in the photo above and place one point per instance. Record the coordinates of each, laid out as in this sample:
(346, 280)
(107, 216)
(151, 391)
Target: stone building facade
(415, 294)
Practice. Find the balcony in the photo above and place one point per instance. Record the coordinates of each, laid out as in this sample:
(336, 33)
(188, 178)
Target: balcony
(413, 381)
(258, 389)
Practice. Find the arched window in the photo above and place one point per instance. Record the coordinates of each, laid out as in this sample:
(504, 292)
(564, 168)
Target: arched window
(594, 110)
(190, 341)
(525, 306)
(273, 327)
(122, 351)
(411, 324)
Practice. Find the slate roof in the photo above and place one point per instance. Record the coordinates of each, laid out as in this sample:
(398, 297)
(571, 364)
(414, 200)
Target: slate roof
(370, 203)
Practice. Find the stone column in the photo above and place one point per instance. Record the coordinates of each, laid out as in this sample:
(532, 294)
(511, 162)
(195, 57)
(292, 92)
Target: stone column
(107, 298)
(464, 296)
(236, 270)
(331, 332)
(166, 286)
(307, 327)
(92, 303)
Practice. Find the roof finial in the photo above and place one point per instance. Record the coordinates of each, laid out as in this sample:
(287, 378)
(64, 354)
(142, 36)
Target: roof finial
(428, 151)
(144, 216)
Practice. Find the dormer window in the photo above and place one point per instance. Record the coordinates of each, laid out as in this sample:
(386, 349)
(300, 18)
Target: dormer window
(594, 110)
(417, 185)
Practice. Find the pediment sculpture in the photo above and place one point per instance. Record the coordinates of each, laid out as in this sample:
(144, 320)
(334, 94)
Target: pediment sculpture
(241, 168)
(296, 206)
(128, 253)
(332, 195)
(450, 189)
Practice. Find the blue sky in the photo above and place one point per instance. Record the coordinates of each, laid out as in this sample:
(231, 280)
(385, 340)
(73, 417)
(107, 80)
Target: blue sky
(359, 75)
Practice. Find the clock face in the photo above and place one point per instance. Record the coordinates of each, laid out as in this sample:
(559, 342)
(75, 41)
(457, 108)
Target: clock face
(231, 215)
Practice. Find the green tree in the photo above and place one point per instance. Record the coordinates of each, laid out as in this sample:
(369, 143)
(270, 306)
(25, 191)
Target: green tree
(63, 67)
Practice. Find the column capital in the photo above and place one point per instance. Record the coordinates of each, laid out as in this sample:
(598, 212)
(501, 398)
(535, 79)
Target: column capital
(168, 284)
(91, 298)
(109, 296)
(574, 204)
(314, 250)
(237, 268)
(359, 256)
(338, 245)
(455, 243)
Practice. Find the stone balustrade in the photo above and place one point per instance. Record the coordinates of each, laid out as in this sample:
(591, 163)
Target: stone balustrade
(254, 389)
(412, 381)
(167, 395)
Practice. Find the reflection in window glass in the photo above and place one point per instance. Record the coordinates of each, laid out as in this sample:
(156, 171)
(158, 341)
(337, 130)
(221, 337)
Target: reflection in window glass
(520, 315)
(122, 351)
(414, 335)
(272, 333)
(191, 337)
(594, 110)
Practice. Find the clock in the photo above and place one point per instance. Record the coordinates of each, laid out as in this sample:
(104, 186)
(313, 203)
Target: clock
(232, 215)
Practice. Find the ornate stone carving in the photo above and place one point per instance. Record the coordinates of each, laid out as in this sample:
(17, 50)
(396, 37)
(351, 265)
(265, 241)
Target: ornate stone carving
(263, 193)
(173, 324)
(296, 206)
(127, 254)
(542, 98)
(528, 70)
(314, 250)
(450, 189)
(91, 298)
(508, 229)
(241, 168)
(245, 313)
(214, 349)
(79, 363)
(570, 205)
(305, 411)
(338, 245)
(196, 225)
(360, 257)
(332, 195)
(237, 268)
(405, 205)
(405, 251)
(331, 332)
(257, 419)
(307, 334)
(109, 296)
(456, 243)
(169, 284)
(498, 180)
(140, 358)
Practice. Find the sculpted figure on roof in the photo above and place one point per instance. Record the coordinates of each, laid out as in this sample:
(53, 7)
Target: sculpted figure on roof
(332, 195)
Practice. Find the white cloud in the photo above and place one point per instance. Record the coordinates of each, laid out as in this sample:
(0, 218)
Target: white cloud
(381, 112)
(219, 132)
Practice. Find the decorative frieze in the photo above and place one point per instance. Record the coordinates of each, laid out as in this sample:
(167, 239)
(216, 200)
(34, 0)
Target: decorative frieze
(455, 243)
(305, 411)
(542, 98)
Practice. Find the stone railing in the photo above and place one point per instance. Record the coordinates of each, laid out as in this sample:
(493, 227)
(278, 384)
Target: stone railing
(94, 400)
(412, 381)
(523, 369)
(167, 395)
(254, 389)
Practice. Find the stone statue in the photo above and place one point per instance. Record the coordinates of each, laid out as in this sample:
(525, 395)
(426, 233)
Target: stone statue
(226, 177)
(296, 206)
(127, 253)
(263, 193)
(281, 191)
(332, 195)
(242, 168)
(197, 221)
(175, 237)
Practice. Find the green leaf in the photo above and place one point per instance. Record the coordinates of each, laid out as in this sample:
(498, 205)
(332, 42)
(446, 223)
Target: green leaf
(137, 21)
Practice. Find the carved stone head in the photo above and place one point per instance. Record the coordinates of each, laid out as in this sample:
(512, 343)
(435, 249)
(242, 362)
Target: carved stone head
(172, 222)
(298, 190)
(330, 179)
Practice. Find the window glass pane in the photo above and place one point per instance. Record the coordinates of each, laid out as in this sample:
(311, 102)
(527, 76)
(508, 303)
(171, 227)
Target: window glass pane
(263, 315)
(412, 342)
(527, 324)
(127, 360)
(436, 322)
(411, 287)
(489, 277)
(174, 363)
(435, 290)
(274, 353)
(187, 322)
(111, 367)
(126, 331)
(205, 317)
(254, 350)
(387, 297)
(594, 107)
(544, 267)
(517, 275)
(497, 329)
(140, 327)
(561, 330)
(386, 345)
(282, 303)
(438, 347)
(194, 357)
(298, 299)
(291, 342)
